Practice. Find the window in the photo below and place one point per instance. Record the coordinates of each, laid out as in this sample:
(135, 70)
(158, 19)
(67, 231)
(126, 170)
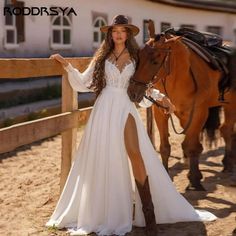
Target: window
(214, 29)
(98, 36)
(14, 27)
(165, 26)
(193, 27)
(10, 29)
(61, 32)
(145, 31)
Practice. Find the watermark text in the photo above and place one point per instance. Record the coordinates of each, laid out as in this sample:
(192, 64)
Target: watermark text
(39, 11)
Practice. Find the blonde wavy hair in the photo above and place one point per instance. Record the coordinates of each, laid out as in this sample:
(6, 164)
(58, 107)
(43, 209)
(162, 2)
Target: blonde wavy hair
(103, 52)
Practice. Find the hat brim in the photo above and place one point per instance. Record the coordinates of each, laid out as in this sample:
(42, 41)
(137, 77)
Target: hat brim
(134, 28)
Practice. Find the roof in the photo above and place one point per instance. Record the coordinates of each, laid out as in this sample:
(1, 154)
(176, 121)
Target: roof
(228, 6)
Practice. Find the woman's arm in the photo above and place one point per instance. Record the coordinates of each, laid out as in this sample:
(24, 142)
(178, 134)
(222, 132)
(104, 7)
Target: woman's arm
(78, 81)
(157, 95)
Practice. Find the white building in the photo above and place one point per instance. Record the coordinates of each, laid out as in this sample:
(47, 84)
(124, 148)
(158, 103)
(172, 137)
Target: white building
(79, 35)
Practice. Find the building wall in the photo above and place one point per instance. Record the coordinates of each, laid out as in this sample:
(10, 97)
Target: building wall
(38, 28)
(37, 32)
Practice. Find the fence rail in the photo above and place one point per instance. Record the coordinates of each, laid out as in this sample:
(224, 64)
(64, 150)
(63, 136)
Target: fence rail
(65, 123)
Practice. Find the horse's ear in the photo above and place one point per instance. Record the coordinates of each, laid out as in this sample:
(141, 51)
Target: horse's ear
(174, 39)
(178, 37)
(169, 36)
(151, 28)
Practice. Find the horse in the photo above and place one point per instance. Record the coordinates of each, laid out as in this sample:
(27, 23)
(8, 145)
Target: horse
(192, 86)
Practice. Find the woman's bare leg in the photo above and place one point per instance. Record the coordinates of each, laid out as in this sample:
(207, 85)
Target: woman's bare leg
(141, 178)
(133, 150)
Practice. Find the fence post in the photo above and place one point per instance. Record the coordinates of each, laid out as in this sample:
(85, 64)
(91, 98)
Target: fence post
(69, 103)
(149, 121)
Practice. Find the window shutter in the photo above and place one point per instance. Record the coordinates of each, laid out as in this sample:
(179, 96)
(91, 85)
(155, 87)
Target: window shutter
(20, 24)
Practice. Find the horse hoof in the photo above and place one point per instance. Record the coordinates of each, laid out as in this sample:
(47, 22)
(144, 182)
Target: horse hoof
(198, 187)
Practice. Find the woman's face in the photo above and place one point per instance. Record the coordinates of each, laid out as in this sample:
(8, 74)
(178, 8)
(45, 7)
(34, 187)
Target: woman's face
(119, 34)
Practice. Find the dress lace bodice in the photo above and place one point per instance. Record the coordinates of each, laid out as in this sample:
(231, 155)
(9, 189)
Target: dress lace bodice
(117, 78)
(114, 78)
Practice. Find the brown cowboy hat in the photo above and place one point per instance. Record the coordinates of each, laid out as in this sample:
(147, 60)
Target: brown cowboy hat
(120, 20)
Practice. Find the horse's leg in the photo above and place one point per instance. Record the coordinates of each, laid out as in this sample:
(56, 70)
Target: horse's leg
(233, 150)
(229, 134)
(227, 160)
(162, 125)
(193, 148)
(228, 131)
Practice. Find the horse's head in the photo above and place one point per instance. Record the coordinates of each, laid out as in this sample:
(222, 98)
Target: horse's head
(153, 63)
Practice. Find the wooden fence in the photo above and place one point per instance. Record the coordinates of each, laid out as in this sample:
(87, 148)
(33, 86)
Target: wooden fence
(65, 123)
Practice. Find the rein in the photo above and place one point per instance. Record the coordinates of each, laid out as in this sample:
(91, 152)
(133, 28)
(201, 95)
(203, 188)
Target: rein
(171, 118)
(166, 108)
(192, 110)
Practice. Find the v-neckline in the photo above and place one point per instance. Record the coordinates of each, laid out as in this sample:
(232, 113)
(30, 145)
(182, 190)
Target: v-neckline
(124, 67)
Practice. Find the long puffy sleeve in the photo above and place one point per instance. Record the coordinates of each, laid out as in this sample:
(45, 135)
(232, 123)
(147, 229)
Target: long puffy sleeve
(80, 81)
(156, 95)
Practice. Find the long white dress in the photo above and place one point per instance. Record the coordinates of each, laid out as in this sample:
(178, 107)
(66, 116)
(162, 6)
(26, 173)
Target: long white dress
(100, 190)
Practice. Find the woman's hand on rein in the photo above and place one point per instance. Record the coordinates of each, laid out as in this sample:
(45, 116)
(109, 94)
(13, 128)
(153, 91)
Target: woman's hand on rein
(167, 103)
(149, 91)
(60, 59)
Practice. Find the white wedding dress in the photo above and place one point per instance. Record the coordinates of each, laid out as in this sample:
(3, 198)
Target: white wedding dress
(100, 190)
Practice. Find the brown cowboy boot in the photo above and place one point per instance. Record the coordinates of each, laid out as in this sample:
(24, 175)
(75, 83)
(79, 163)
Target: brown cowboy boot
(148, 208)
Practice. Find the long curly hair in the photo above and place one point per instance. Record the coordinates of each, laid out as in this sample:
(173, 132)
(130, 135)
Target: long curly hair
(102, 53)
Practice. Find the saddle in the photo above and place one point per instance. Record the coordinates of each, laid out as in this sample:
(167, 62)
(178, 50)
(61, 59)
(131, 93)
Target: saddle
(205, 39)
(210, 48)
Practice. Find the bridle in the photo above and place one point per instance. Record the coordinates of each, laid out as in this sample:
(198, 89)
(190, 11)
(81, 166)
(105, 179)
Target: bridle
(165, 64)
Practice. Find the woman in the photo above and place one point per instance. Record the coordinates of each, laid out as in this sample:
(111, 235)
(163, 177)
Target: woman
(98, 194)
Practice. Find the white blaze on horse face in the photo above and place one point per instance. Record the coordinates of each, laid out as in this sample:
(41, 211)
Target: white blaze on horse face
(119, 34)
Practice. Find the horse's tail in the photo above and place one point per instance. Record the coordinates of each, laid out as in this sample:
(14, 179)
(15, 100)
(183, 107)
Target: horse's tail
(212, 124)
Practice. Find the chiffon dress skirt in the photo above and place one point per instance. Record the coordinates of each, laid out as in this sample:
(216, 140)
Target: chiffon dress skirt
(100, 190)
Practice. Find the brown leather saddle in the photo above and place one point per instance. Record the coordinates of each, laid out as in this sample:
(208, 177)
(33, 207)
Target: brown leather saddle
(210, 47)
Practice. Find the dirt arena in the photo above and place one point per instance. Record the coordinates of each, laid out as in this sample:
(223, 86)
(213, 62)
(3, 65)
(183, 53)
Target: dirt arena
(29, 190)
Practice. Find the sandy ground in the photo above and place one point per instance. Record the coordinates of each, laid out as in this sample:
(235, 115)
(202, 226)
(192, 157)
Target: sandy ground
(29, 190)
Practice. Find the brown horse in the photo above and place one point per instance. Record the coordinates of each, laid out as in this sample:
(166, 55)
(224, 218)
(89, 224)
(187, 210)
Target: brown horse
(192, 86)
